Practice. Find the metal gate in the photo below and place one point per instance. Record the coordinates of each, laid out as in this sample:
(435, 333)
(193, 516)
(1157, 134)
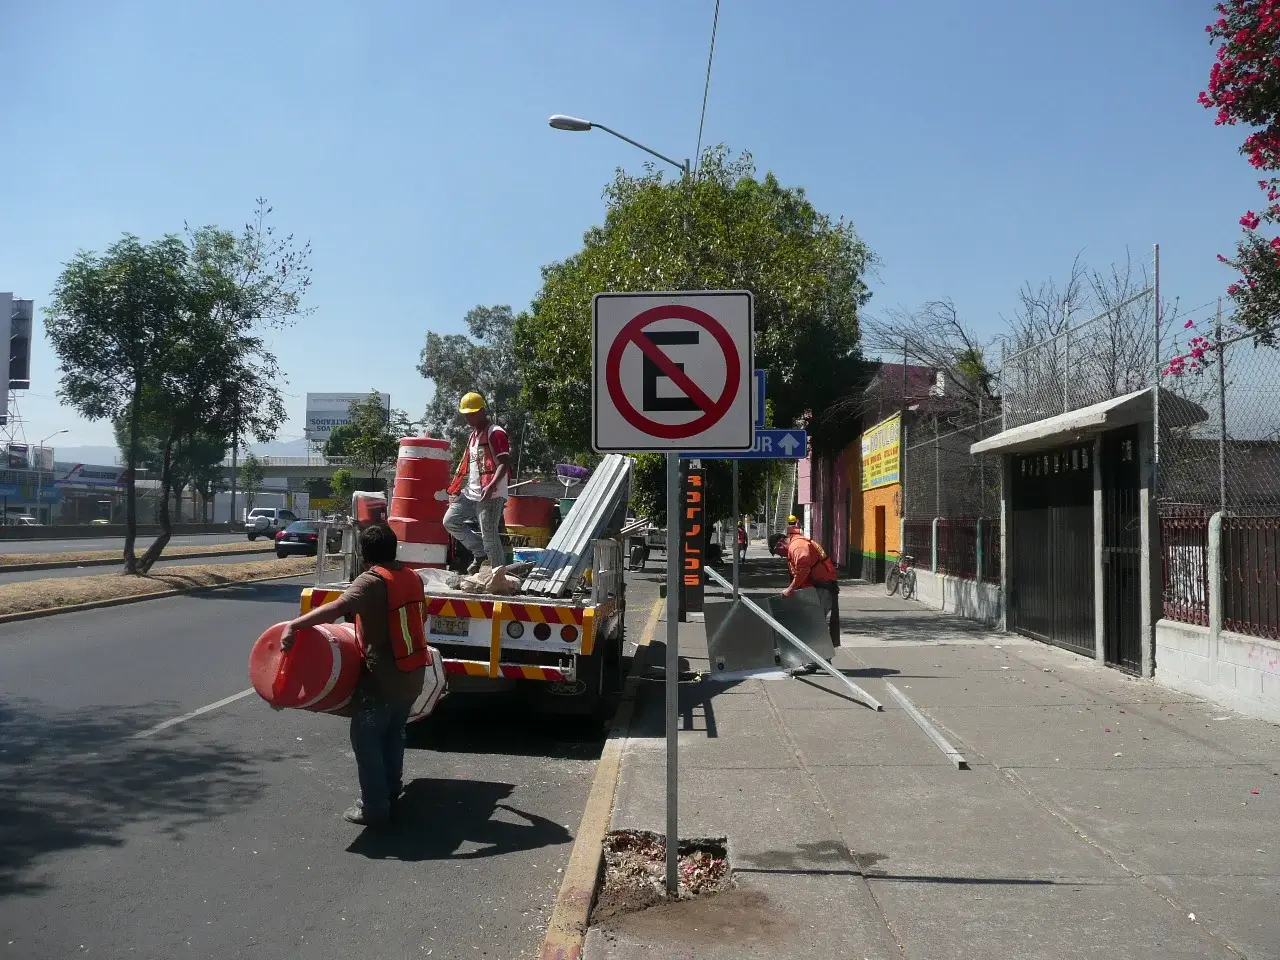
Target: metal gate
(1050, 558)
(1121, 548)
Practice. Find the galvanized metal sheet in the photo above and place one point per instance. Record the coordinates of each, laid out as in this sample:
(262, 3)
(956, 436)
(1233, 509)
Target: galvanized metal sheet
(737, 639)
(597, 508)
(803, 615)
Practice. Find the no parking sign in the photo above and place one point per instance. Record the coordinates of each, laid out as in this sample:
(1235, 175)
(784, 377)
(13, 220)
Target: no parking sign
(672, 371)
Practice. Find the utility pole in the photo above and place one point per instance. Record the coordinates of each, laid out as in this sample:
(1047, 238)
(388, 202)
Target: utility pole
(235, 450)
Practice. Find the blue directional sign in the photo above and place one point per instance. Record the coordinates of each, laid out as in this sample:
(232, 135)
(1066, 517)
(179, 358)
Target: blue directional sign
(757, 399)
(770, 445)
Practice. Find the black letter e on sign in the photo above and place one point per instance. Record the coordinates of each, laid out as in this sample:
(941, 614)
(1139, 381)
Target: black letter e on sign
(650, 401)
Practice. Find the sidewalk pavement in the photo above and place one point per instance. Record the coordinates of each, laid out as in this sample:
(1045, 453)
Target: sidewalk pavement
(1102, 816)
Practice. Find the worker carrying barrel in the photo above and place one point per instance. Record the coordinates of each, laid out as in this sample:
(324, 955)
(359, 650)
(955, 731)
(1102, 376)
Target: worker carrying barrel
(811, 567)
(479, 488)
(387, 602)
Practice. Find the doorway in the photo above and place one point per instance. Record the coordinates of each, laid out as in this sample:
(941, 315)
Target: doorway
(880, 545)
(1121, 549)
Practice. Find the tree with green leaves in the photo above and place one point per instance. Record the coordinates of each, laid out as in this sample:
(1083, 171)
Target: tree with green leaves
(726, 230)
(170, 335)
(339, 437)
(111, 318)
(374, 441)
(341, 486)
(251, 475)
(482, 360)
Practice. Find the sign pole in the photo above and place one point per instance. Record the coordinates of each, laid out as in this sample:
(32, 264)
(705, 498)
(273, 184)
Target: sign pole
(737, 519)
(673, 665)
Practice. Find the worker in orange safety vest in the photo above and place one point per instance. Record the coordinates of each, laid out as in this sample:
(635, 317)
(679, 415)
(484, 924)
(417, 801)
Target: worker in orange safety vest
(811, 567)
(388, 604)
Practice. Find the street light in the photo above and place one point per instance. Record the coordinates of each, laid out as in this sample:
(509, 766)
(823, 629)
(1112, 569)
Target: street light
(40, 466)
(561, 121)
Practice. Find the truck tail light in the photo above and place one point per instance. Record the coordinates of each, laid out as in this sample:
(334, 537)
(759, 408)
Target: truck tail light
(515, 629)
(542, 631)
(568, 634)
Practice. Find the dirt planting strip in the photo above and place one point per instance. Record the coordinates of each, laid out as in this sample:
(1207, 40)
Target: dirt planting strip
(37, 598)
(19, 562)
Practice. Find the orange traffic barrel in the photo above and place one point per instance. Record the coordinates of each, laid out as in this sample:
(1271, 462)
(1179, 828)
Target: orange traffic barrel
(528, 511)
(419, 501)
(318, 673)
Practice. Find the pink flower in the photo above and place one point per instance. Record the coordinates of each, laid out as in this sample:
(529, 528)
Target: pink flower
(1188, 325)
(1233, 289)
(1250, 221)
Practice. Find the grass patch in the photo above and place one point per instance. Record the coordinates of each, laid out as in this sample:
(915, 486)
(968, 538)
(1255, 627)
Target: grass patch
(70, 558)
(69, 591)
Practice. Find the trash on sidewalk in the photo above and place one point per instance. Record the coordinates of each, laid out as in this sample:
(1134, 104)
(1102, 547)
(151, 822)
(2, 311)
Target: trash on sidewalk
(634, 876)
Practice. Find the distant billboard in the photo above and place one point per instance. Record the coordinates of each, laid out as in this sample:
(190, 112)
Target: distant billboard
(325, 411)
(21, 326)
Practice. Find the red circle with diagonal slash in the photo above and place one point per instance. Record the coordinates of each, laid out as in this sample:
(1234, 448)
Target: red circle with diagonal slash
(712, 410)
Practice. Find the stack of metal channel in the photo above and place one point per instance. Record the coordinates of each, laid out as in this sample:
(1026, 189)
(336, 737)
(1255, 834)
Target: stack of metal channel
(597, 507)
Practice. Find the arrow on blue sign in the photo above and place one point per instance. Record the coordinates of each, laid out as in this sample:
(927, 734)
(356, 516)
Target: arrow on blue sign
(770, 445)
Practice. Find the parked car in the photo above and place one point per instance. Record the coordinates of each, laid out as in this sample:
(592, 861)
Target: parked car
(302, 538)
(26, 522)
(267, 521)
(100, 522)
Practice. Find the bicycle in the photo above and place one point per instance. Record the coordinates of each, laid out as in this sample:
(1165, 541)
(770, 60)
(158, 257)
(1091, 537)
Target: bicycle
(901, 574)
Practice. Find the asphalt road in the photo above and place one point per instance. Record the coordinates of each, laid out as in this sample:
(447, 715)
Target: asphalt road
(111, 543)
(22, 576)
(221, 836)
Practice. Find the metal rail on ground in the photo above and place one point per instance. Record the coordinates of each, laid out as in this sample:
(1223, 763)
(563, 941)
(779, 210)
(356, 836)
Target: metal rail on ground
(803, 647)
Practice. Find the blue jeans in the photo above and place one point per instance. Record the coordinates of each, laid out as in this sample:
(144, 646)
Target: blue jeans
(462, 518)
(377, 737)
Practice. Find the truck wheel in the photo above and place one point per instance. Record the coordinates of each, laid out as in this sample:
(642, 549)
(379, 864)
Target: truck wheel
(253, 537)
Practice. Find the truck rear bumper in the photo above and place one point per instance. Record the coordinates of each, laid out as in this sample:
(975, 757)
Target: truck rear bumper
(509, 671)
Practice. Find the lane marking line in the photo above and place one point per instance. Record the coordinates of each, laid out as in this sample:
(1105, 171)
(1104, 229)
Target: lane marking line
(567, 928)
(207, 708)
(923, 722)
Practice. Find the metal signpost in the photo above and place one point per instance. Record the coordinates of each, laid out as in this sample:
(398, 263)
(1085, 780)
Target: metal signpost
(672, 371)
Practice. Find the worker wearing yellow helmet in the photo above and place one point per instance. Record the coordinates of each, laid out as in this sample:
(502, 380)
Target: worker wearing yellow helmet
(793, 525)
(479, 488)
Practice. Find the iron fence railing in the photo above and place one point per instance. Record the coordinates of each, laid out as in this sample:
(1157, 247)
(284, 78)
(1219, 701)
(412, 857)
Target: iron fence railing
(991, 552)
(917, 540)
(1184, 544)
(1251, 575)
(958, 546)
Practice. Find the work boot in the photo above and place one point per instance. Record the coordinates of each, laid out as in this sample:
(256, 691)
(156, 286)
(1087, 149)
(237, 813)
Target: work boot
(476, 564)
(355, 814)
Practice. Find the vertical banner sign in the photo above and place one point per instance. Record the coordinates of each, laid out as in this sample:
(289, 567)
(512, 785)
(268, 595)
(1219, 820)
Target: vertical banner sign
(693, 541)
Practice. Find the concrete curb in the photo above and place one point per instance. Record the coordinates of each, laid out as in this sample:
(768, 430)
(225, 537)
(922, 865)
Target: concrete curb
(28, 567)
(123, 601)
(567, 929)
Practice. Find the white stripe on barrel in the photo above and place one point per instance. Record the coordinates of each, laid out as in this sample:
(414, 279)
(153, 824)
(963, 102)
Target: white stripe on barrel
(424, 453)
(335, 671)
(421, 552)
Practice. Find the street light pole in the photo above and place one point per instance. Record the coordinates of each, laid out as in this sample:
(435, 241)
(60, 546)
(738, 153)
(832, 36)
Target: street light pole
(574, 124)
(40, 468)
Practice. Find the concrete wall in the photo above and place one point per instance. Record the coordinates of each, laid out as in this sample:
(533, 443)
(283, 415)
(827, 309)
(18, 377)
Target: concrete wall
(967, 598)
(1239, 672)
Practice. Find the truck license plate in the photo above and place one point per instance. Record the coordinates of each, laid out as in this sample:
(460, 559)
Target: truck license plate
(451, 626)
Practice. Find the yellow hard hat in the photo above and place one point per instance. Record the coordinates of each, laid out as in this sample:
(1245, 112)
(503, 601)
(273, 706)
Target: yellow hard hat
(471, 403)
(792, 519)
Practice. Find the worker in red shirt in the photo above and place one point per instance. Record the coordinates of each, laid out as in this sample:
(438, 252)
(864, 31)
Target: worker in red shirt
(811, 567)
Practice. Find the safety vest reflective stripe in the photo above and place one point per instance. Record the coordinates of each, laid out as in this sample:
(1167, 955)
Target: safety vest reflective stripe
(406, 611)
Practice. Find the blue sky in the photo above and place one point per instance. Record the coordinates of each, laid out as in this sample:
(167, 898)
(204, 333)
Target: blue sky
(974, 149)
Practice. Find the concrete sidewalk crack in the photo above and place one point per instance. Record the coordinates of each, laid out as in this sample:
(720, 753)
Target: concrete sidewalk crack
(822, 803)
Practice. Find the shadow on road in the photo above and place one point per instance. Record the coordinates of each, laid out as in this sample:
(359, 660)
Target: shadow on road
(71, 780)
(485, 724)
(268, 592)
(457, 820)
